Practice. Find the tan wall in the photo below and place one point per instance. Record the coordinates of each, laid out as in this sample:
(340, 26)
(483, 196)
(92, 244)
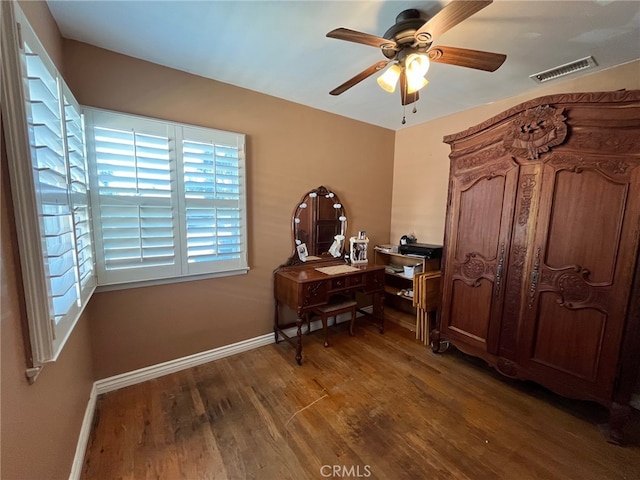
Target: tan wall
(40, 422)
(290, 149)
(44, 25)
(421, 163)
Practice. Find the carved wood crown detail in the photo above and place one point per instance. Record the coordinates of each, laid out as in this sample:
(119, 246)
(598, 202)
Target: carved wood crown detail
(497, 170)
(535, 131)
(614, 168)
(465, 161)
(620, 142)
(629, 97)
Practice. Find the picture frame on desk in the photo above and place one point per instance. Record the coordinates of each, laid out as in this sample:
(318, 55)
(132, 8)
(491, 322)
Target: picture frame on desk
(303, 253)
(358, 250)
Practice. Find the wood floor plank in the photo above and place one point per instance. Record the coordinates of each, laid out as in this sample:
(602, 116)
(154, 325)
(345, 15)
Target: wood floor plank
(370, 406)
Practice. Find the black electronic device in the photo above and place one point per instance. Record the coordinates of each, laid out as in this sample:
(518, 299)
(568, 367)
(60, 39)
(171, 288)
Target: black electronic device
(423, 249)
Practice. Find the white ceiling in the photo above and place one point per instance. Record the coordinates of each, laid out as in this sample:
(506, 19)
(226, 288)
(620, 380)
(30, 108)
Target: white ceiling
(279, 47)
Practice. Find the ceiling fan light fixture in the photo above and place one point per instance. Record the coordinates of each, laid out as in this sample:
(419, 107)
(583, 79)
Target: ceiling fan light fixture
(416, 67)
(407, 48)
(417, 64)
(389, 79)
(415, 83)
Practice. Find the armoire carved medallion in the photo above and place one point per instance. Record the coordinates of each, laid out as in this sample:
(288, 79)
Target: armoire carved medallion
(541, 275)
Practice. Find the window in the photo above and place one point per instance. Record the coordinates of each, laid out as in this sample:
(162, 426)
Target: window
(162, 201)
(44, 126)
(168, 199)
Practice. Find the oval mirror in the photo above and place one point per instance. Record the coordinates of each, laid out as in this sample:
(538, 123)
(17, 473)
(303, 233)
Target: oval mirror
(317, 219)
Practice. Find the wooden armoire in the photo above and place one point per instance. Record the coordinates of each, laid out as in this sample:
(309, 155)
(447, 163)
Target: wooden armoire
(541, 275)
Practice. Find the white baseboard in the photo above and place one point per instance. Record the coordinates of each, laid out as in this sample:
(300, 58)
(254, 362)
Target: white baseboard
(134, 377)
(142, 375)
(83, 438)
(154, 371)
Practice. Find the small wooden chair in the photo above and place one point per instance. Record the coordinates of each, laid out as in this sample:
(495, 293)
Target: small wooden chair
(335, 307)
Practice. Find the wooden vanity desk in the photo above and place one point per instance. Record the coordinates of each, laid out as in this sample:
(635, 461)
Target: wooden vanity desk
(303, 287)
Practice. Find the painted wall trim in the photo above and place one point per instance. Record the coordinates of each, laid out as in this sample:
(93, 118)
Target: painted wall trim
(134, 377)
(83, 438)
(110, 384)
(154, 371)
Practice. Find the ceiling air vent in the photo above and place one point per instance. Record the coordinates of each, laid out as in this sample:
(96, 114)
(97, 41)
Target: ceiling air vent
(563, 70)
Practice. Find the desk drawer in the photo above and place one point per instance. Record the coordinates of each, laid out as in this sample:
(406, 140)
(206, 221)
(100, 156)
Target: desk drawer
(345, 283)
(313, 294)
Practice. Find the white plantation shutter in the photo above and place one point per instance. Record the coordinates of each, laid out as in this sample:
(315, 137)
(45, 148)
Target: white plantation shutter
(132, 187)
(213, 172)
(51, 173)
(79, 193)
(169, 199)
(50, 195)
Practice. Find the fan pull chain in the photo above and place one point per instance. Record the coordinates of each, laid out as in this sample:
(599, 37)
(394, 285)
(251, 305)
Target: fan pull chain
(403, 93)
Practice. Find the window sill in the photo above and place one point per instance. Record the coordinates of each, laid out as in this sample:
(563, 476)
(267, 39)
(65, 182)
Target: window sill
(165, 281)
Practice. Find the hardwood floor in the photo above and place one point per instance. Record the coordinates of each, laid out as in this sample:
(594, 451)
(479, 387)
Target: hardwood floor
(370, 406)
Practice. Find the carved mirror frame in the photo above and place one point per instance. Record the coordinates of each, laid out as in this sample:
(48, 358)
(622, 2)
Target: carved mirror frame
(318, 217)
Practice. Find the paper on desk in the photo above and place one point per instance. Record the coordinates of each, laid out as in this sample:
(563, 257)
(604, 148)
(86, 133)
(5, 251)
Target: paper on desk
(337, 269)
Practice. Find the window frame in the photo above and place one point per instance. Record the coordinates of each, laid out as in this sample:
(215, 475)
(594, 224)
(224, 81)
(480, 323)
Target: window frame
(47, 336)
(176, 132)
(46, 339)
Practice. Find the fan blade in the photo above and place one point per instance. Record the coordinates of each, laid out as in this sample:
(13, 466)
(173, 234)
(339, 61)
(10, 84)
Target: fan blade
(464, 57)
(363, 38)
(447, 18)
(407, 98)
(359, 77)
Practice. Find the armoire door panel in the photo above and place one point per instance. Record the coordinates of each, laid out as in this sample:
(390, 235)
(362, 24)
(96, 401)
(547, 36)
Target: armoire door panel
(471, 310)
(581, 275)
(582, 231)
(478, 233)
(479, 246)
(582, 333)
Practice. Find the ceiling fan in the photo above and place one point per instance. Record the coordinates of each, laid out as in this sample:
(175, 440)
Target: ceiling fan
(407, 46)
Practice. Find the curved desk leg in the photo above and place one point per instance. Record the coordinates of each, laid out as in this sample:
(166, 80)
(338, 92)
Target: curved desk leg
(299, 322)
